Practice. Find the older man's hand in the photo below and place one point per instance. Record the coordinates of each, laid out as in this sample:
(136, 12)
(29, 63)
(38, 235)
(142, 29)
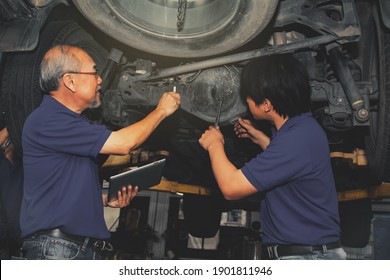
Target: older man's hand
(124, 197)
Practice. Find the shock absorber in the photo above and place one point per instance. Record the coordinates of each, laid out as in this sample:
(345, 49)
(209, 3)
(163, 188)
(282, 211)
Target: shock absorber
(113, 60)
(344, 75)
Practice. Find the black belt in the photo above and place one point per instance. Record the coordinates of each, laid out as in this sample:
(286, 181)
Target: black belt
(96, 244)
(276, 251)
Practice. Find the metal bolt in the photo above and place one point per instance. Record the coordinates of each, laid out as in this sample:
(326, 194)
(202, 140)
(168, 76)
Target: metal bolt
(362, 114)
(140, 71)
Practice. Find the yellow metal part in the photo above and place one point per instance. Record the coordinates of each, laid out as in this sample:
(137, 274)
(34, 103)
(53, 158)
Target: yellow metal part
(358, 156)
(376, 192)
(380, 191)
(175, 187)
(353, 195)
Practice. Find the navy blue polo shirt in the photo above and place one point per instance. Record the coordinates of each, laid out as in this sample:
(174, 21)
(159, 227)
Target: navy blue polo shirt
(294, 171)
(61, 181)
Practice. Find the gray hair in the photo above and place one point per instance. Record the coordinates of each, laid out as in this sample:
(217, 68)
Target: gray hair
(57, 61)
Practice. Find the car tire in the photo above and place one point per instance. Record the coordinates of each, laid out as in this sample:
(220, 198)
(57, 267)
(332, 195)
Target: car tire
(210, 27)
(375, 54)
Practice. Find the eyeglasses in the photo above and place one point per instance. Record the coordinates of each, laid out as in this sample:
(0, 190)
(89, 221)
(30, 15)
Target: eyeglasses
(95, 73)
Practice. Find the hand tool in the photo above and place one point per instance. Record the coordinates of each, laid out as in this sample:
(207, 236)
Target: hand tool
(216, 123)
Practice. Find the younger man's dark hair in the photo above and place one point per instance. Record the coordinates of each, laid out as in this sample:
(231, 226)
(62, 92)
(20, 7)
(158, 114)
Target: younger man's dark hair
(281, 79)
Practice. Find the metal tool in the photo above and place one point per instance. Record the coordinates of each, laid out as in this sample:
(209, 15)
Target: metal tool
(216, 123)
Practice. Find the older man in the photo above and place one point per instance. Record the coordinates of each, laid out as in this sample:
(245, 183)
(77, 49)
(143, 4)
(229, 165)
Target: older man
(62, 208)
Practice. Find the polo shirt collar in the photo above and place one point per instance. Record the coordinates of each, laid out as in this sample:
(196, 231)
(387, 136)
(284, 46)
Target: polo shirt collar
(290, 123)
(51, 103)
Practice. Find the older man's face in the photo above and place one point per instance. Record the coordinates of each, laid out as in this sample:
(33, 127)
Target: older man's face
(88, 82)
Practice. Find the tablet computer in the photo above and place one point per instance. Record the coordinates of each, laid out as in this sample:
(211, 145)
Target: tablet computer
(144, 177)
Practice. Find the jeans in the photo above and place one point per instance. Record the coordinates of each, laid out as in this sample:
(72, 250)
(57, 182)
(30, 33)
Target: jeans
(44, 247)
(333, 254)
